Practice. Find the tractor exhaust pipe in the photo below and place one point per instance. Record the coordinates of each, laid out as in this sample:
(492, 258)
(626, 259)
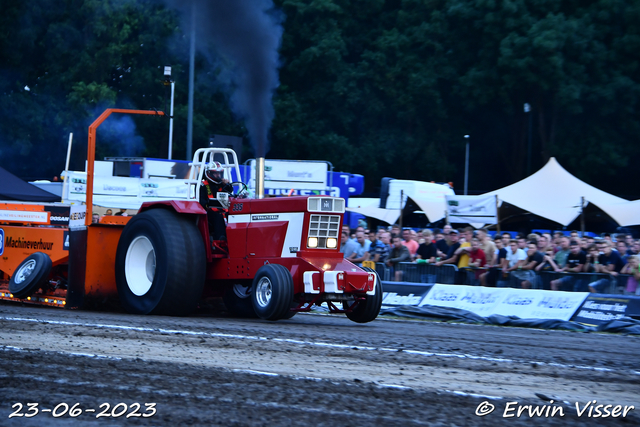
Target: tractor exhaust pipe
(260, 178)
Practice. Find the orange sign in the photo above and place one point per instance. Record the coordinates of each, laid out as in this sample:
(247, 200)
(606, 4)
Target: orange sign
(20, 242)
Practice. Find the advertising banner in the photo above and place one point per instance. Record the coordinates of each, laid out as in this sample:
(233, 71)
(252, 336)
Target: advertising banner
(59, 215)
(403, 293)
(476, 299)
(299, 175)
(472, 209)
(167, 188)
(24, 216)
(599, 309)
(523, 303)
(77, 214)
(540, 304)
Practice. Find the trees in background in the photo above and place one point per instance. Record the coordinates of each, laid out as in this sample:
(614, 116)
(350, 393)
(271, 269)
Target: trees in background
(378, 87)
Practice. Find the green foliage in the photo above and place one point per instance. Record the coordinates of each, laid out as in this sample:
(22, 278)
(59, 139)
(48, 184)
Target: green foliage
(378, 87)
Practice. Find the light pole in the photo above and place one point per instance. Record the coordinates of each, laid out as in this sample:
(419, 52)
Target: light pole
(466, 167)
(527, 110)
(192, 66)
(168, 81)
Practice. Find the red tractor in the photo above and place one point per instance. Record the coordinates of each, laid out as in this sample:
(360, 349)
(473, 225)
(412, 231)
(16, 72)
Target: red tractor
(280, 256)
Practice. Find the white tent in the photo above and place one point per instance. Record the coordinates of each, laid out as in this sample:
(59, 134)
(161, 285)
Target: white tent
(430, 197)
(370, 208)
(625, 214)
(555, 194)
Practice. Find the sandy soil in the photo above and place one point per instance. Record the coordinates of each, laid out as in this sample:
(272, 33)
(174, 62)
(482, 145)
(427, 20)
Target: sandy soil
(209, 369)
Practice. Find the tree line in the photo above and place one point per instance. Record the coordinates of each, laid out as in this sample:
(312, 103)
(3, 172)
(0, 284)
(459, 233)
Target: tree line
(377, 87)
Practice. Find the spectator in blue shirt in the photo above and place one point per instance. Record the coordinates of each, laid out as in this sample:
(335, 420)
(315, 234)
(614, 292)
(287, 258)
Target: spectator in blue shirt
(376, 248)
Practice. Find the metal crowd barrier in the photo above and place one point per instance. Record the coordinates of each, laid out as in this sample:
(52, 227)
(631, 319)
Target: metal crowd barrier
(450, 274)
(419, 273)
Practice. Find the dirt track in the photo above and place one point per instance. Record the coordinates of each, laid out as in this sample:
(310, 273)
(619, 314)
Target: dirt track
(208, 369)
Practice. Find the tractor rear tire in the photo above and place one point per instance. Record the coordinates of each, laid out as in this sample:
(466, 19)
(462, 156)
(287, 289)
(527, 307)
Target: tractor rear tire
(160, 264)
(272, 292)
(30, 275)
(367, 310)
(237, 299)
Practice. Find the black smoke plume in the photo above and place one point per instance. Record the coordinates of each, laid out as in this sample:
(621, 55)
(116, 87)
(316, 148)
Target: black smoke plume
(246, 35)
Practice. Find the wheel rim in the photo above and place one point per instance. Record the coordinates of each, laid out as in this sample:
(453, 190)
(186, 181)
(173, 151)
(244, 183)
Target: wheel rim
(241, 292)
(25, 271)
(140, 265)
(264, 292)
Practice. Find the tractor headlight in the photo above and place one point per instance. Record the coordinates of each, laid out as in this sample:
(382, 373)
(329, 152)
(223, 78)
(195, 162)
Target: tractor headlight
(332, 243)
(313, 242)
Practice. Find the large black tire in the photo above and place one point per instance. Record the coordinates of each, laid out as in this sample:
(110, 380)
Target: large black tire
(160, 264)
(237, 299)
(30, 275)
(272, 292)
(367, 311)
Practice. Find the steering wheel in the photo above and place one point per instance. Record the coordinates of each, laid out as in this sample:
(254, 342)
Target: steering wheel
(244, 190)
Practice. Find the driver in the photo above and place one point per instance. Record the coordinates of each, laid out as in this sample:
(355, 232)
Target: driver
(213, 183)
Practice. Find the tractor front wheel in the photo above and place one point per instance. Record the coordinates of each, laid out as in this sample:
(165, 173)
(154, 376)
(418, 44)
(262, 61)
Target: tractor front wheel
(272, 292)
(367, 310)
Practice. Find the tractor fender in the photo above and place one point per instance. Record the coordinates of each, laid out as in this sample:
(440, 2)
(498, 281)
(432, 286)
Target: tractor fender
(180, 206)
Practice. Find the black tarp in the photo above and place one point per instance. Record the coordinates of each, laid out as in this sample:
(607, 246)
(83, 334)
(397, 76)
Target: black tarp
(626, 325)
(13, 188)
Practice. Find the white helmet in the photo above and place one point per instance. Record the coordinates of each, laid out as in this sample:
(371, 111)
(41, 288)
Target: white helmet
(214, 172)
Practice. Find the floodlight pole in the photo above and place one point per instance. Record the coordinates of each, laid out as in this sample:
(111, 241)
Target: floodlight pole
(466, 166)
(167, 81)
(192, 65)
(527, 110)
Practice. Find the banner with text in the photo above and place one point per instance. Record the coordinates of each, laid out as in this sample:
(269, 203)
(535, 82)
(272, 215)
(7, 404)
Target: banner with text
(523, 303)
(472, 209)
(599, 309)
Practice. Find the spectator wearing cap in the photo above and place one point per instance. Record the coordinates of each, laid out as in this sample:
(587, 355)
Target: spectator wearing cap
(575, 264)
(452, 256)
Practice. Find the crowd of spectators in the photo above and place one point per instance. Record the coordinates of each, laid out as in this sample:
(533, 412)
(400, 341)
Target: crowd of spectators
(501, 260)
